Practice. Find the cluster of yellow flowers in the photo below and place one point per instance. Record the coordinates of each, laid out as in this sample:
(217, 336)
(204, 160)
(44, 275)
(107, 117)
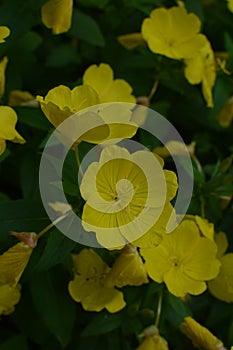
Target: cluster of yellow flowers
(175, 33)
(191, 258)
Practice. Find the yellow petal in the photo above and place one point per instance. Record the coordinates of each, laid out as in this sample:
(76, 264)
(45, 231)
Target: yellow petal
(128, 269)
(154, 342)
(131, 41)
(13, 263)
(100, 78)
(4, 33)
(3, 65)
(88, 263)
(222, 243)
(9, 296)
(225, 116)
(57, 14)
(2, 146)
(222, 286)
(230, 5)
(206, 228)
(8, 119)
(201, 337)
(180, 284)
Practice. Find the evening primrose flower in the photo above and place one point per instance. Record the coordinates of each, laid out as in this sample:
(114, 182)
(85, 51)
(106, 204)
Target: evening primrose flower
(125, 195)
(90, 285)
(201, 68)
(3, 65)
(4, 33)
(8, 119)
(183, 260)
(173, 32)
(221, 287)
(57, 15)
(108, 89)
(201, 337)
(12, 265)
(60, 103)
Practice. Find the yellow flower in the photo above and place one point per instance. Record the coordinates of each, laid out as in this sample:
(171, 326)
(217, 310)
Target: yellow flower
(125, 195)
(4, 33)
(107, 88)
(61, 102)
(8, 119)
(225, 116)
(89, 285)
(152, 341)
(183, 260)
(12, 265)
(201, 68)
(57, 15)
(201, 337)
(173, 32)
(3, 65)
(128, 269)
(230, 5)
(132, 40)
(222, 286)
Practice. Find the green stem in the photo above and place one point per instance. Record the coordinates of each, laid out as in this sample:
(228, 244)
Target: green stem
(47, 228)
(159, 309)
(78, 160)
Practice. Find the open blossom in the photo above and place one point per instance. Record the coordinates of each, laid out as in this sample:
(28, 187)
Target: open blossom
(90, 285)
(99, 86)
(125, 195)
(173, 32)
(183, 260)
(8, 119)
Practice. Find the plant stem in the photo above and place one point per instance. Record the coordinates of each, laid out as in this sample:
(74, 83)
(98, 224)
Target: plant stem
(47, 228)
(78, 160)
(159, 308)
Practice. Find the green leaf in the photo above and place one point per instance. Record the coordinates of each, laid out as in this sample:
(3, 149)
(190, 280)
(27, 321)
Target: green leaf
(33, 117)
(57, 248)
(53, 303)
(84, 27)
(195, 7)
(102, 323)
(94, 3)
(175, 309)
(16, 342)
(62, 56)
